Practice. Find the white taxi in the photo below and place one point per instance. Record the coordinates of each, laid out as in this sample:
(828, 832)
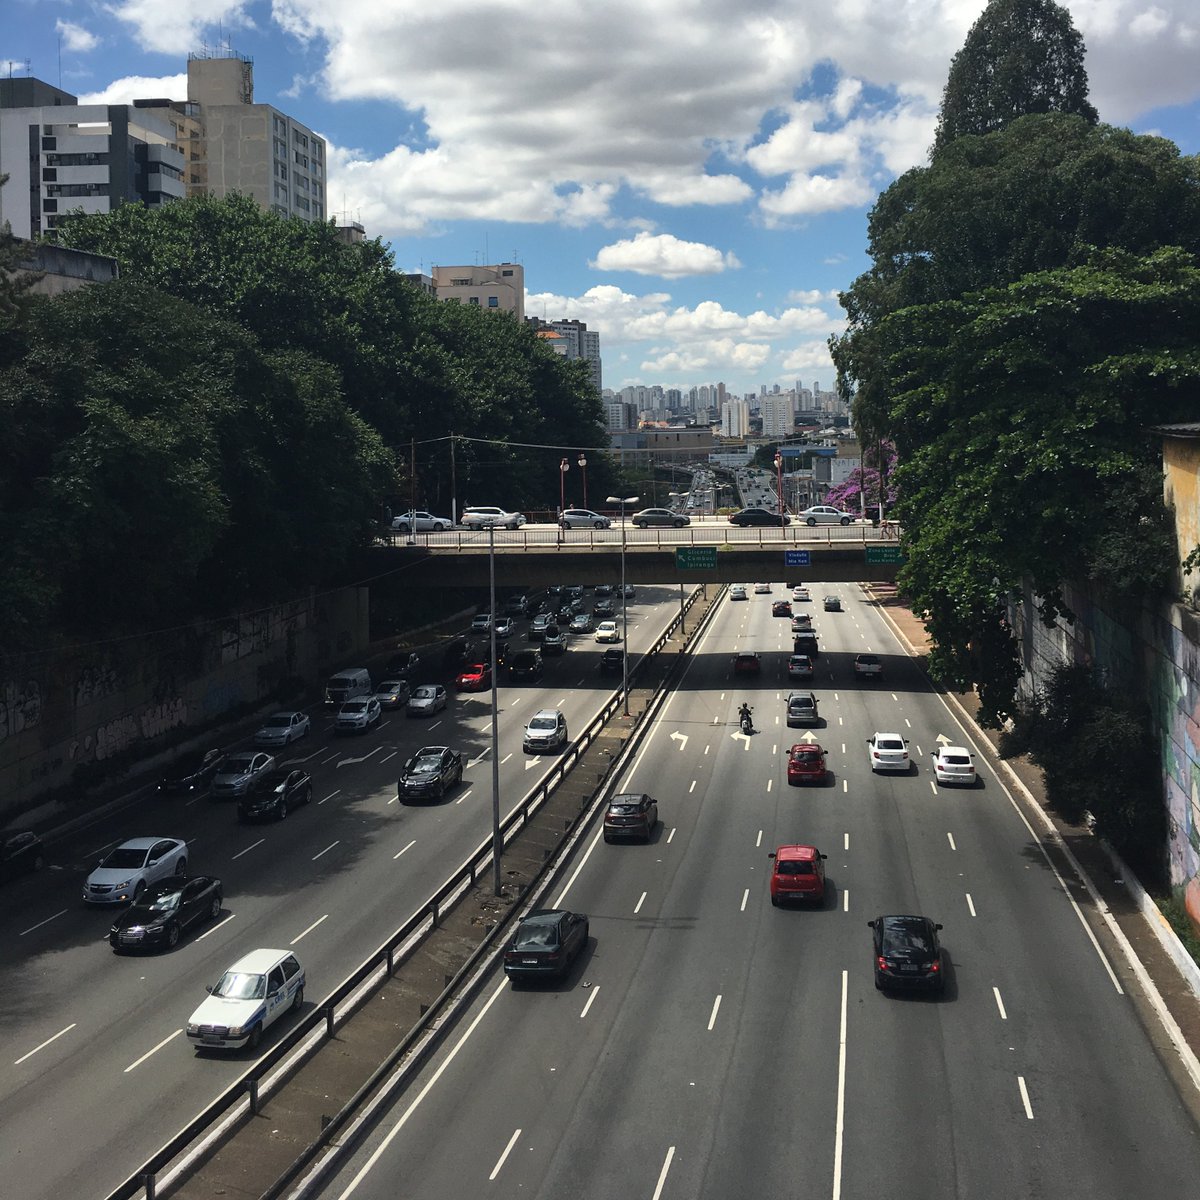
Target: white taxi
(251, 996)
(954, 764)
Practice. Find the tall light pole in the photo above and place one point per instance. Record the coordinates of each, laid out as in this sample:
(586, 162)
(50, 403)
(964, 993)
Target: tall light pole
(497, 841)
(622, 501)
(582, 461)
(779, 481)
(563, 468)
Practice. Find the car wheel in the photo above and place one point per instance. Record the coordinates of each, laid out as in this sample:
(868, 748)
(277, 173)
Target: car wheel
(607, 840)
(774, 902)
(639, 524)
(252, 1042)
(512, 525)
(214, 909)
(282, 808)
(601, 524)
(307, 795)
(811, 521)
(172, 935)
(845, 521)
(679, 524)
(181, 867)
(298, 1000)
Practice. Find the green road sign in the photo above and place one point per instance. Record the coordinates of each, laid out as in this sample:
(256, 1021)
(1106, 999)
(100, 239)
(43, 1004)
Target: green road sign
(695, 558)
(885, 554)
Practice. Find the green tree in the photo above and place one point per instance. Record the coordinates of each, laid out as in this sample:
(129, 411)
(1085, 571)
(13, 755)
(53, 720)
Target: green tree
(15, 281)
(1020, 57)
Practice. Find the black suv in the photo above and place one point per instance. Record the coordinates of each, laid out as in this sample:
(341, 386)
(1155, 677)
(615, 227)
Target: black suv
(613, 660)
(805, 642)
(907, 953)
(525, 666)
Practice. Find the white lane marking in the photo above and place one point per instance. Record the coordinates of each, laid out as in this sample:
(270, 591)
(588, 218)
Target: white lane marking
(920, 752)
(336, 792)
(843, 747)
(1025, 1096)
(692, 788)
(45, 1043)
(933, 787)
(637, 908)
(252, 846)
(514, 702)
(970, 903)
(505, 759)
(745, 898)
(715, 719)
(406, 848)
(216, 927)
(512, 1141)
(590, 999)
(326, 850)
(769, 782)
(474, 762)
(670, 835)
(389, 757)
(908, 722)
(381, 1149)
(758, 840)
(895, 697)
(712, 1017)
(845, 785)
(840, 721)
(133, 1065)
(345, 762)
(558, 903)
(465, 795)
(309, 930)
(845, 899)
(775, 748)
(706, 749)
(950, 839)
(999, 1004)
(840, 1125)
(41, 923)
(663, 1174)
(435, 725)
(845, 841)
(330, 758)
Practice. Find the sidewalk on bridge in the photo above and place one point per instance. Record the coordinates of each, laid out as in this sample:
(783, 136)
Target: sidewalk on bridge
(1110, 893)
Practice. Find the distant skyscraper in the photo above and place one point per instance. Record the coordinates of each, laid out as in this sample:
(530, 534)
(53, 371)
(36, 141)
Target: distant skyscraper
(581, 342)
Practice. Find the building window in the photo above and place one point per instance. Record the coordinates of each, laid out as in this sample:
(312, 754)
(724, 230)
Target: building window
(460, 283)
(493, 302)
(299, 138)
(49, 143)
(301, 160)
(318, 212)
(281, 150)
(505, 273)
(49, 206)
(302, 203)
(281, 193)
(302, 183)
(49, 174)
(280, 126)
(473, 300)
(281, 171)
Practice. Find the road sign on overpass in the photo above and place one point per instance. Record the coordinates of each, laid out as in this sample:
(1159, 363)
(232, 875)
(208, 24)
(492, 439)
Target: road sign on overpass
(797, 558)
(885, 554)
(695, 558)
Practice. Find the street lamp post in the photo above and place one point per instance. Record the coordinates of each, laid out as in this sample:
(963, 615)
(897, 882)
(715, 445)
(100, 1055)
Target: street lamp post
(563, 468)
(497, 841)
(582, 461)
(779, 480)
(622, 501)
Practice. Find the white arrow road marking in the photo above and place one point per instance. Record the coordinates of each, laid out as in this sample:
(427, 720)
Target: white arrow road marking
(809, 736)
(681, 738)
(478, 758)
(533, 762)
(342, 762)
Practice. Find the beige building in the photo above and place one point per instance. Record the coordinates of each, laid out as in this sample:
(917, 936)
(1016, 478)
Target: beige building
(498, 288)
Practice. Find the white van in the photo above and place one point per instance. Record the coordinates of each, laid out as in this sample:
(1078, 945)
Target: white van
(348, 685)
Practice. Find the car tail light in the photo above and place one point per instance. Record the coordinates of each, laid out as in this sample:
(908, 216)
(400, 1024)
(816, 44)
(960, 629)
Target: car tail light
(936, 967)
(882, 963)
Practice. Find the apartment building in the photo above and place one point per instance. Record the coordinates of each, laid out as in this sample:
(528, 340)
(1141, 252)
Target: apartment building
(500, 288)
(778, 414)
(578, 342)
(735, 419)
(63, 156)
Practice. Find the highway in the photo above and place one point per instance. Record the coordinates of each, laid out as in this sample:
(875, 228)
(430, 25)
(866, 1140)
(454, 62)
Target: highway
(706, 1044)
(95, 1073)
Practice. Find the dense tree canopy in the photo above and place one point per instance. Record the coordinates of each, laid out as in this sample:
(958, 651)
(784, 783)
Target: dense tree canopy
(1020, 57)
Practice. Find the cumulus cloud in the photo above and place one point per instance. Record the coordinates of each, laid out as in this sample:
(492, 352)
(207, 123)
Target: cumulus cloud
(139, 87)
(172, 27)
(664, 255)
(75, 38)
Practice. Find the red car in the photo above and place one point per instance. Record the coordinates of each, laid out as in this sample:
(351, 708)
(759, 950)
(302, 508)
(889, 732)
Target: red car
(747, 664)
(798, 873)
(475, 678)
(806, 763)
(781, 608)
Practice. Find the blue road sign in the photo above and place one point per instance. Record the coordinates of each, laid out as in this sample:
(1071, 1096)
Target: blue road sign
(797, 558)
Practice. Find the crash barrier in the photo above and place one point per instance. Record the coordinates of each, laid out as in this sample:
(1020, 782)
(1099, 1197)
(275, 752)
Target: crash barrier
(249, 1092)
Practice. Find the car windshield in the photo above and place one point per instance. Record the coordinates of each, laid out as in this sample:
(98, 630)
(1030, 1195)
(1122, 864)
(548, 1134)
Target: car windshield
(543, 723)
(167, 902)
(808, 752)
(390, 685)
(237, 764)
(236, 985)
(354, 706)
(535, 937)
(423, 693)
(906, 937)
(282, 721)
(626, 807)
(474, 669)
(126, 856)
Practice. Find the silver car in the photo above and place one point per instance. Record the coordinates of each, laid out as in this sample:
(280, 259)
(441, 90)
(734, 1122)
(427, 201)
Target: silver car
(124, 873)
(239, 771)
(583, 518)
(660, 516)
(420, 522)
(825, 514)
(282, 729)
(428, 699)
(482, 518)
(357, 716)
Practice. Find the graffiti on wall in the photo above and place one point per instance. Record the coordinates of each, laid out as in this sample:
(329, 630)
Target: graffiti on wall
(254, 633)
(115, 736)
(94, 683)
(20, 707)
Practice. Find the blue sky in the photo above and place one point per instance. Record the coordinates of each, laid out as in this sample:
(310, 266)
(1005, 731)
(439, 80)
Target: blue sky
(690, 177)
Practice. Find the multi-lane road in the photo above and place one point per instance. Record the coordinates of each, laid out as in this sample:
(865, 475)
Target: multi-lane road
(707, 1044)
(95, 1073)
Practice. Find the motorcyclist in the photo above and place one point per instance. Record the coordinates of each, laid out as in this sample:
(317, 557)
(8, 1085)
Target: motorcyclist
(744, 716)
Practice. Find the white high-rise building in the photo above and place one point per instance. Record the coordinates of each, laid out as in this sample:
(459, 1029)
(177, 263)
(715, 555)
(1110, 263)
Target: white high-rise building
(735, 419)
(778, 415)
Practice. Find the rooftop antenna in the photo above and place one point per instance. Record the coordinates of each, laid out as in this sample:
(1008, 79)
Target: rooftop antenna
(60, 60)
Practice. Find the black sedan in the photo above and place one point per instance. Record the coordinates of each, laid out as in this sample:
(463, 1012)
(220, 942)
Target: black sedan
(545, 943)
(21, 850)
(907, 953)
(613, 660)
(758, 516)
(191, 773)
(430, 772)
(275, 795)
(164, 910)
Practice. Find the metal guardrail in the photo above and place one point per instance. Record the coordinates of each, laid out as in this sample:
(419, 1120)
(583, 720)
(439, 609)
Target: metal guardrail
(329, 1012)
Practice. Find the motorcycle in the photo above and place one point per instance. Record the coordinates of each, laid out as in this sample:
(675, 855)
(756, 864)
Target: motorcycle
(747, 722)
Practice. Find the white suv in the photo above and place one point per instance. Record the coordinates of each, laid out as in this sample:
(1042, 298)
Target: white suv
(481, 518)
(547, 730)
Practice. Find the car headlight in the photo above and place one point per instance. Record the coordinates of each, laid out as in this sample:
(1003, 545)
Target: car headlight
(236, 1030)
(120, 886)
(193, 1030)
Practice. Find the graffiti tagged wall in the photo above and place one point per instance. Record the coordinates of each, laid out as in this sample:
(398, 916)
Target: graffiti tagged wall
(65, 710)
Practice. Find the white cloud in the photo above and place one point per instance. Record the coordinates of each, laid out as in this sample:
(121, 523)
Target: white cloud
(173, 27)
(664, 255)
(808, 356)
(139, 87)
(75, 38)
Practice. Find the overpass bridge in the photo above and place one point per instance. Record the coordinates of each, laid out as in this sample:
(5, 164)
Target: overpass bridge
(541, 555)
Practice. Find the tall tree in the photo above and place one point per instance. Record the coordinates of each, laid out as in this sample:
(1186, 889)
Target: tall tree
(1020, 57)
(15, 279)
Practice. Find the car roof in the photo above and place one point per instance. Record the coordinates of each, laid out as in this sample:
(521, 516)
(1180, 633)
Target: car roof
(903, 921)
(259, 962)
(543, 916)
(796, 853)
(426, 751)
(883, 733)
(804, 747)
(954, 750)
(143, 843)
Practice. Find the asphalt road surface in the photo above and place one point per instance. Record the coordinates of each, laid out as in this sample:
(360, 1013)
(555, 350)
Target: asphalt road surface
(95, 1071)
(706, 1044)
